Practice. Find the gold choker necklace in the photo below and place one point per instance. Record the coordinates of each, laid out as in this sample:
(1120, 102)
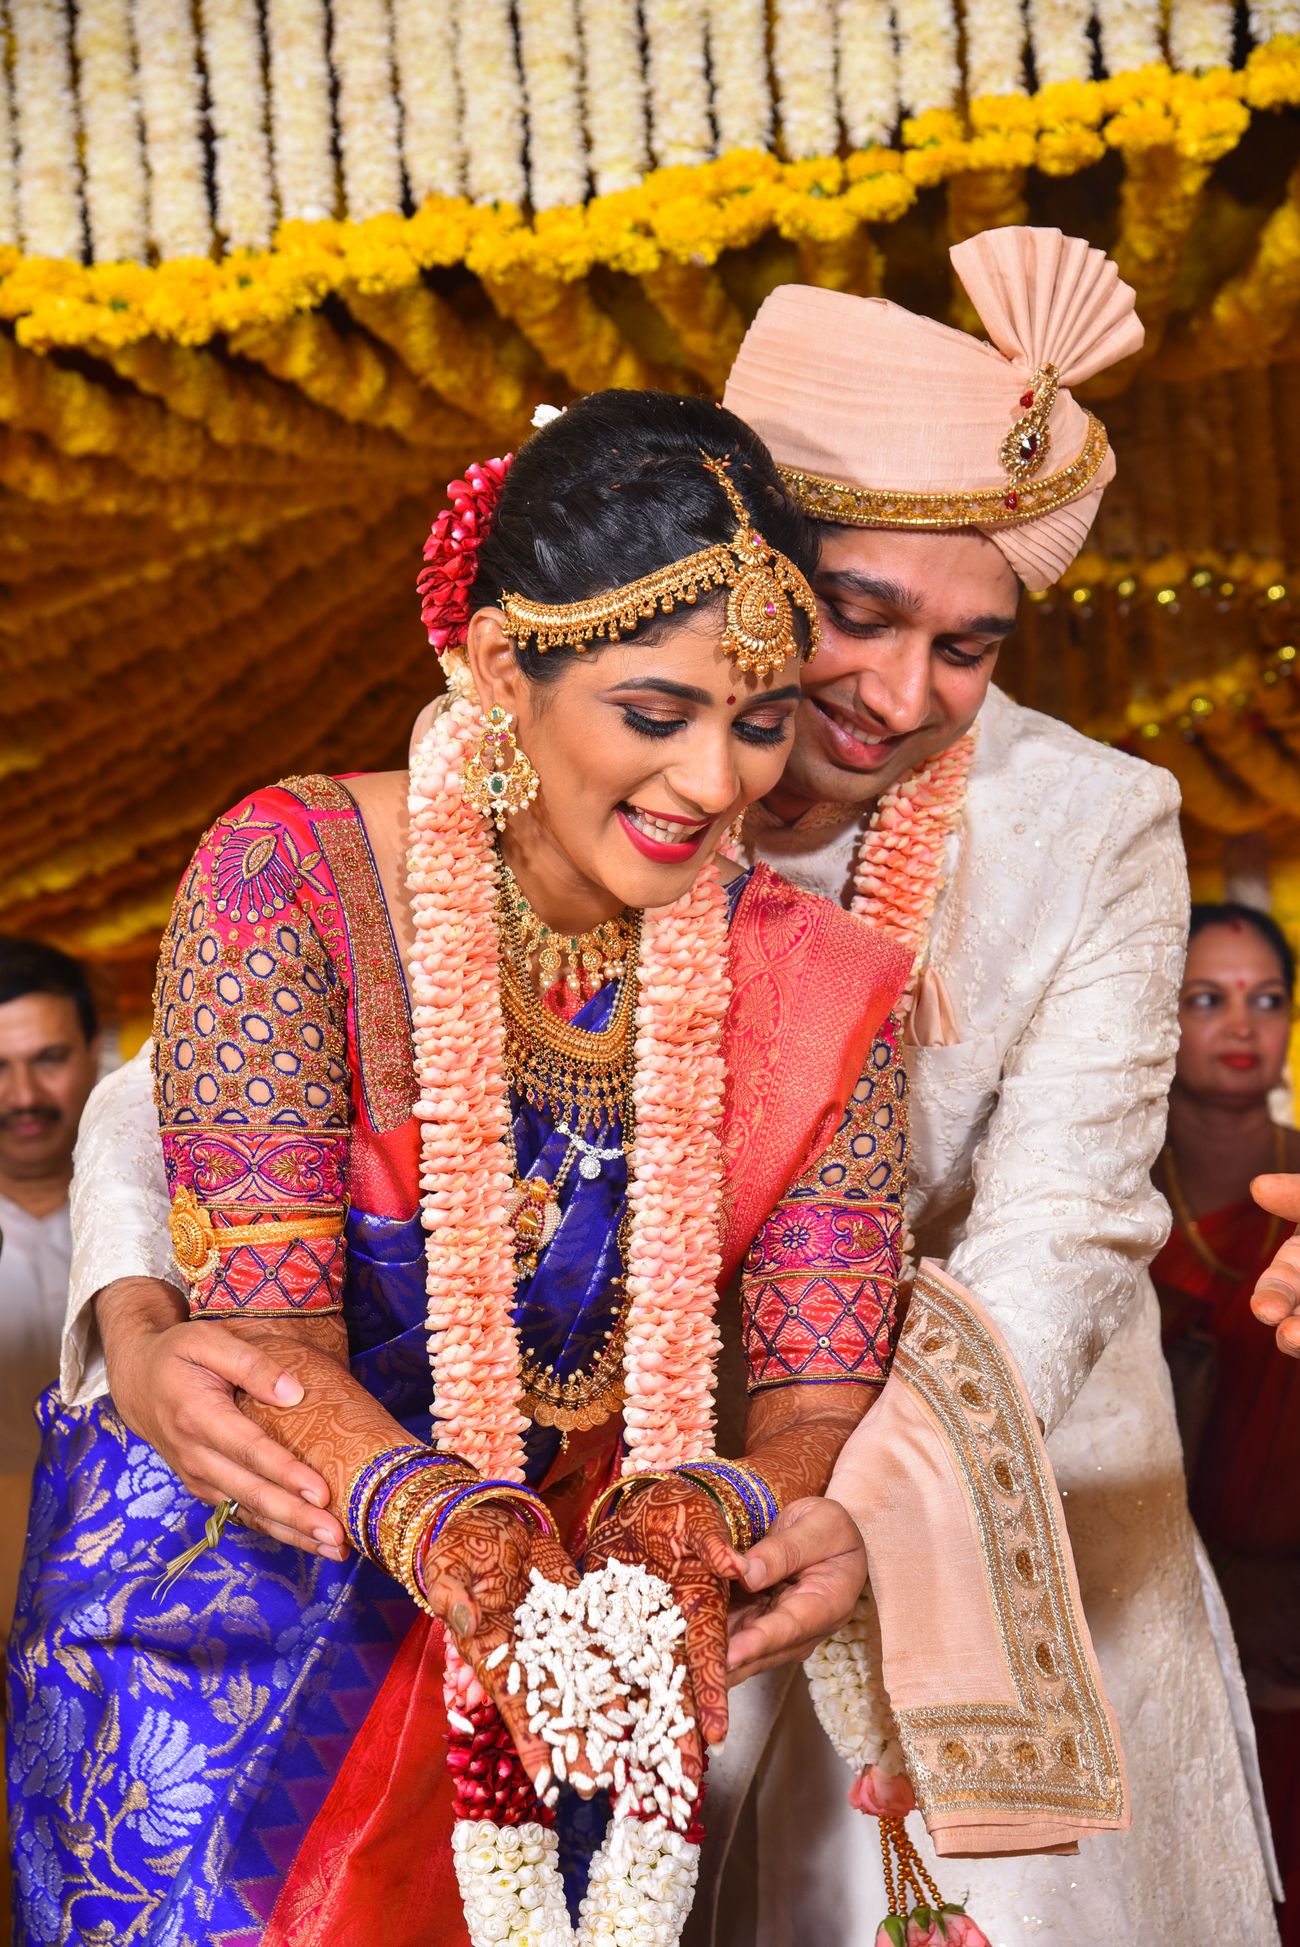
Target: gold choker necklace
(586, 960)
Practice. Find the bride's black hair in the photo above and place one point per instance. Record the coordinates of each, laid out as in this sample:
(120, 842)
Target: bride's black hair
(614, 489)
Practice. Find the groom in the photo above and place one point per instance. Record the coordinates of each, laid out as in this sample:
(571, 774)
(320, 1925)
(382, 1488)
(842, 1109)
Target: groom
(950, 474)
(1042, 1044)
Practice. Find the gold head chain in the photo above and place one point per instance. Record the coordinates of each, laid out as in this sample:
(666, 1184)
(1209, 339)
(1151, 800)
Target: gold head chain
(763, 586)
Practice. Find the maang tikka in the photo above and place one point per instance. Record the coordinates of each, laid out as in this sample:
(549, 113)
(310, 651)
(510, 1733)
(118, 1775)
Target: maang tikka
(498, 779)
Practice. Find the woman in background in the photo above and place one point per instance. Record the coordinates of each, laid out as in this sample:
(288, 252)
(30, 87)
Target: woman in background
(1238, 1403)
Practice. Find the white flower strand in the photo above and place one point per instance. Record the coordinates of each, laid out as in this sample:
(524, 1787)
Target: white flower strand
(995, 48)
(848, 1692)
(615, 93)
(803, 55)
(8, 186)
(361, 51)
(742, 94)
(180, 222)
(1270, 18)
(680, 129)
(488, 70)
(1130, 34)
(424, 50)
(552, 65)
(302, 131)
(1062, 47)
(642, 1872)
(867, 71)
(232, 55)
(110, 131)
(1200, 35)
(928, 74)
(49, 202)
(510, 1883)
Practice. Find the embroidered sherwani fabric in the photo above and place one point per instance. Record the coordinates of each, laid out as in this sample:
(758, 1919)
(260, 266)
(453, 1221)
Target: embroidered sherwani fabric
(1059, 938)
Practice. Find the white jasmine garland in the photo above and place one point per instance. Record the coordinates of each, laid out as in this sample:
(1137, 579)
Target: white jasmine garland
(1269, 18)
(1058, 30)
(849, 1695)
(1130, 34)
(488, 71)
(866, 59)
(680, 129)
(615, 93)
(302, 131)
(552, 65)
(803, 55)
(232, 55)
(928, 75)
(180, 222)
(742, 94)
(49, 200)
(8, 187)
(995, 48)
(361, 51)
(424, 48)
(111, 148)
(1200, 34)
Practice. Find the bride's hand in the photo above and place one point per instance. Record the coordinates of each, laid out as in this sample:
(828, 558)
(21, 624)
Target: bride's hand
(675, 1530)
(475, 1575)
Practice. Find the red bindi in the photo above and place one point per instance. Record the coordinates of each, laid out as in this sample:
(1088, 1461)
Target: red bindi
(731, 699)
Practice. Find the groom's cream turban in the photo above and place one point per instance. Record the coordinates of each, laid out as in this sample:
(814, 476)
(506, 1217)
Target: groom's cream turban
(880, 418)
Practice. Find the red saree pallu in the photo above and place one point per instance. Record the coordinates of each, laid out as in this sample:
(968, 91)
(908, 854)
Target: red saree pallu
(812, 989)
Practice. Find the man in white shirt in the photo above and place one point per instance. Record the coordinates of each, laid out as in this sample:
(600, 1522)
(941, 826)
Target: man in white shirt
(48, 1054)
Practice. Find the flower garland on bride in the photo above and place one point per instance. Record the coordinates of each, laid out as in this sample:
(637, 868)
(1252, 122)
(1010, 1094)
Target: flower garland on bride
(506, 1855)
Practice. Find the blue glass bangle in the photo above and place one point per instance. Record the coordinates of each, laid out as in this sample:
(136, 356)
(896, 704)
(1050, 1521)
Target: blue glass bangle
(520, 1496)
(366, 1478)
(757, 1498)
(420, 1462)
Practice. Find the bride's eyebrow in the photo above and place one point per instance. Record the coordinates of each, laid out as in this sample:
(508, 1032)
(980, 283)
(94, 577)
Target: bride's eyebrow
(680, 692)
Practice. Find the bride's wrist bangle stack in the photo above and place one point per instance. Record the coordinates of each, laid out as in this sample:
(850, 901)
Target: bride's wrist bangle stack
(383, 1488)
(748, 1504)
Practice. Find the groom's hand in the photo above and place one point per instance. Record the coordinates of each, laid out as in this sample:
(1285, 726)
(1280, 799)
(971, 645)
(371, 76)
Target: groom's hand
(803, 1579)
(1276, 1298)
(176, 1383)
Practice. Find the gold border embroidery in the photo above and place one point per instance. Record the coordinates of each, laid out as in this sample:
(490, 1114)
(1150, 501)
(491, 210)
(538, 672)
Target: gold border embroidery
(385, 1060)
(1053, 1753)
(848, 506)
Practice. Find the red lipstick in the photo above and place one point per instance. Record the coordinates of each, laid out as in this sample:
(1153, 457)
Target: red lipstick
(656, 849)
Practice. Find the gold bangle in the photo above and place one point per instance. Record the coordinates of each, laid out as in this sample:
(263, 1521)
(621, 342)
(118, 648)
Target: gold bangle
(407, 1499)
(625, 1484)
(732, 1508)
(521, 1496)
(355, 1520)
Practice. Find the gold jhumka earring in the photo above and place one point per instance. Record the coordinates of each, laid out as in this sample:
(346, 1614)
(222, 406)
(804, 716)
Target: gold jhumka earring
(498, 779)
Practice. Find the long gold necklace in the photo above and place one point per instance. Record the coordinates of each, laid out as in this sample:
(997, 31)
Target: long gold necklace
(1191, 1230)
(586, 960)
(584, 1080)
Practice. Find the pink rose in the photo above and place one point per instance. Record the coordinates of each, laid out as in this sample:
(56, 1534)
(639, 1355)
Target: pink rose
(924, 1927)
(891, 1932)
(961, 1930)
(882, 1794)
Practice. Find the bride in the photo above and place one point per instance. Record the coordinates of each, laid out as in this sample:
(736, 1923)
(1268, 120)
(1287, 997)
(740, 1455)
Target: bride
(635, 1070)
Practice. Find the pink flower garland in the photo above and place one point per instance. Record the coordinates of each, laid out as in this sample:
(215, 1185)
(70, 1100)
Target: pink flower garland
(900, 862)
(459, 1059)
(674, 1192)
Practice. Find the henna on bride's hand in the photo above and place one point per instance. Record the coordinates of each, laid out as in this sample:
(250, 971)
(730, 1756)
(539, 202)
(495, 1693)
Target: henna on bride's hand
(475, 1575)
(679, 1534)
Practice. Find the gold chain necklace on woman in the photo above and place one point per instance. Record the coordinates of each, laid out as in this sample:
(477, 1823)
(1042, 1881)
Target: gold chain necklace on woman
(586, 960)
(584, 1080)
(1191, 1230)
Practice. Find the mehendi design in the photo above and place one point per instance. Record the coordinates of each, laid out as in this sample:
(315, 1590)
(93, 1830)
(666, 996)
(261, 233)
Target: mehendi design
(680, 1535)
(820, 1280)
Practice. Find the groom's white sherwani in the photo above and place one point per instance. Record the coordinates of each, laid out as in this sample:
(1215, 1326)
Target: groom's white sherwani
(1059, 936)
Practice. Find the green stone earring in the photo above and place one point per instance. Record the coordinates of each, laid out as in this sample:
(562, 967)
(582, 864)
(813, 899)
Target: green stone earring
(498, 779)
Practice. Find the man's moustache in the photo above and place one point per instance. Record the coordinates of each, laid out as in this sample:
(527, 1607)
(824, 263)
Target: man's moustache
(47, 1116)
